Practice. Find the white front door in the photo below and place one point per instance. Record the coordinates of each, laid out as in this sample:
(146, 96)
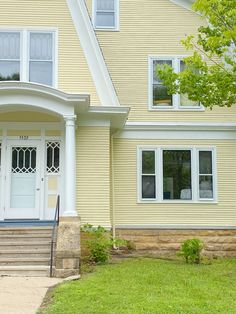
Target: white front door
(23, 180)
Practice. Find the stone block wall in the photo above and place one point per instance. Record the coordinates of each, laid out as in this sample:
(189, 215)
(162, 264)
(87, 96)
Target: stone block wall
(160, 242)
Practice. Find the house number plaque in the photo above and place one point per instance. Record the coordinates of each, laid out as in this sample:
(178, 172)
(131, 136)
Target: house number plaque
(24, 137)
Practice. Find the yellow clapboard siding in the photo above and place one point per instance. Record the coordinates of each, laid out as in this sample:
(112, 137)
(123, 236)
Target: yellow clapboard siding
(27, 116)
(73, 72)
(128, 211)
(93, 175)
(153, 27)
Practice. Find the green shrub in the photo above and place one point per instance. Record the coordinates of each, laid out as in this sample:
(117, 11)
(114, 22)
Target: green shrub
(191, 251)
(100, 243)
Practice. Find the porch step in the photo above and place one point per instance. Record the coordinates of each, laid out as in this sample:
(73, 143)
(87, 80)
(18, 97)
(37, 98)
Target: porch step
(25, 251)
(20, 261)
(25, 237)
(25, 270)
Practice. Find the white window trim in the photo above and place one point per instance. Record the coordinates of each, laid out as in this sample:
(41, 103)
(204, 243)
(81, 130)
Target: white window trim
(175, 97)
(106, 28)
(24, 50)
(159, 173)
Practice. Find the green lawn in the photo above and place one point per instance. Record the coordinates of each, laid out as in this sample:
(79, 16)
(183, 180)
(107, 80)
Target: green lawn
(148, 285)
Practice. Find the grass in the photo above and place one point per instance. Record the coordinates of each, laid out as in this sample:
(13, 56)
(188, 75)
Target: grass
(145, 286)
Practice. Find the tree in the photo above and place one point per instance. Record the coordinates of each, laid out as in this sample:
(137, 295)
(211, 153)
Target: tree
(209, 75)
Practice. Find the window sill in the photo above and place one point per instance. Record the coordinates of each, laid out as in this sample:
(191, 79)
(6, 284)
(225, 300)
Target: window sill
(177, 109)
(104, 29)
(177, 202)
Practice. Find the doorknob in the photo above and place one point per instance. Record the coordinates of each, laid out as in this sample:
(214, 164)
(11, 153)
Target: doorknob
(37, 189)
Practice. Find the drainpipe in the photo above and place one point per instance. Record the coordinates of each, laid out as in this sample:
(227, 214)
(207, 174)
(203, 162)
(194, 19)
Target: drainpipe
(113, 195)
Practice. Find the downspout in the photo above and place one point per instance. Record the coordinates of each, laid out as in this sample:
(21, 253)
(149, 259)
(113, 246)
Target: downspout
(113, 196)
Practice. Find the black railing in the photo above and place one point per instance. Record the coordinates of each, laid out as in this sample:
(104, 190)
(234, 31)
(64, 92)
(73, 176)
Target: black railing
(55, 224)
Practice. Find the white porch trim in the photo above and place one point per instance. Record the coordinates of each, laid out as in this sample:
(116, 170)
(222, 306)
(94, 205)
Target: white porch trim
(70, 182)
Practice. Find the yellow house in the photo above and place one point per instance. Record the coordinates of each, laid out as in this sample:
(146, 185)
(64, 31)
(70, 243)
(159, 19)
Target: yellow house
(83, 116)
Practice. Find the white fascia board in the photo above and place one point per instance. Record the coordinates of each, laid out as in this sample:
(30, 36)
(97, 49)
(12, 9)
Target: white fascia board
(181, 126)
(89, 43)
(30, 95)
(178, 131)
(96, 116)
(187, 4)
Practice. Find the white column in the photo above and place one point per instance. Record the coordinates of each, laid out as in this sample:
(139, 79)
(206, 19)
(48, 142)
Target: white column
(70, 177)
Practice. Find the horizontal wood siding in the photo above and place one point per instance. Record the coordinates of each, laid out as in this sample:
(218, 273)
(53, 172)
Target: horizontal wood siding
(129, 212)
(153, 27)
(73, 72)
(93, 175)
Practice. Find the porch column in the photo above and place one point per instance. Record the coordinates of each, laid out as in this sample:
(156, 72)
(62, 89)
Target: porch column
(70, 179)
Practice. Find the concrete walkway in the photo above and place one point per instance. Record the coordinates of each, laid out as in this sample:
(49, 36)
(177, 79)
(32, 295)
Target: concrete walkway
(23, 295)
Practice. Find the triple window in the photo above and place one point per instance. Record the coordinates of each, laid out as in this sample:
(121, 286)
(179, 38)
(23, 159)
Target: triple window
(177, 174)
(105, 14)
(27, 56)
(158, 95)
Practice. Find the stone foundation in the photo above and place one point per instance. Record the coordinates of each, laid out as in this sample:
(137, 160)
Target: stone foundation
(160, 242)
(67, 259)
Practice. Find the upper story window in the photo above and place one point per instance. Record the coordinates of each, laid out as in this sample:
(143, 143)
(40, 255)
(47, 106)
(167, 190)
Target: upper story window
(158, 96)
(105, 14)
(27, 56)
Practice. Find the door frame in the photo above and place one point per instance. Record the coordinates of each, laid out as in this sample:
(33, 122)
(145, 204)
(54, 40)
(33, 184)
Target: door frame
(26, 132)
(33, 213)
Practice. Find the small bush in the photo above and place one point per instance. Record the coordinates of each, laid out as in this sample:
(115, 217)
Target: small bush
(100, 243)
(191, 251)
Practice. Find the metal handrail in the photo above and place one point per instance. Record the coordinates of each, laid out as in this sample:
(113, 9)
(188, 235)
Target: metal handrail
(55, 224)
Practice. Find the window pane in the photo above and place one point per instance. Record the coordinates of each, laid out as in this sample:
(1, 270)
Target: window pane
(160, 95)
(184, 100)
(148, 162)
(156, 63)
(105, 5)
(177, 174)
(41, 46)
(9, 70)
(205, 187)
(205, 162)
(148, 187)
(9, 45)
(105, 19)
(41, 72)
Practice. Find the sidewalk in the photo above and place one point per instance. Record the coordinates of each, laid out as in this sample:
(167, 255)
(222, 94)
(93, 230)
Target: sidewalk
(23, 295)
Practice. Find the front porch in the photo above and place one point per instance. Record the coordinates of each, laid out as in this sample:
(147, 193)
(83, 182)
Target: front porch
(39, 161)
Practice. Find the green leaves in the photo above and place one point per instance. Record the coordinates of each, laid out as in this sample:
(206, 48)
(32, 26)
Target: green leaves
(191, 251)
(210, 73)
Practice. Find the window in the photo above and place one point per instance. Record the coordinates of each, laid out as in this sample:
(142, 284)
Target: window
(158, 96)
(27, 56)
(105, 14)
(176, 174)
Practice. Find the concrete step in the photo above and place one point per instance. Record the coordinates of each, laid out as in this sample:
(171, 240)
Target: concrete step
(17, 261)
(25, 230)
(25, 270)
(24, 244)
(24, 238)
(25, 253)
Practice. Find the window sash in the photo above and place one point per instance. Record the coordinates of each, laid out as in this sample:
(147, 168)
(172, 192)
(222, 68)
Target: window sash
(196, 193)
(24, 63)
(176, 98)
(98, 12)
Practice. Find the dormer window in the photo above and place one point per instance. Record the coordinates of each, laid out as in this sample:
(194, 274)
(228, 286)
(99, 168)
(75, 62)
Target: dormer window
(27, 56)
(105, 14)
